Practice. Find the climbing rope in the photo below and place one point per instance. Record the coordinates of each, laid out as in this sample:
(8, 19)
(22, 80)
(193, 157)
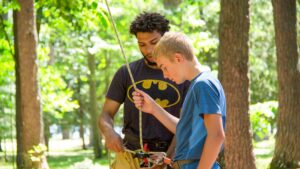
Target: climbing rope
(129, 71)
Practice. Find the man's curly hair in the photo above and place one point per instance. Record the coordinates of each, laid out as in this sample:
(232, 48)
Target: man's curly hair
(149, 22)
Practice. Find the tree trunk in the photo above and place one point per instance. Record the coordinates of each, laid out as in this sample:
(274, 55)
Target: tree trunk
(81, 132)
(1, 150)
(28, 108)
(171, 4)
(233, 70)
(65, 131)
(287, 147)
(4, 15)
(93, 106)
(47, 133)
(81, 112)
(39, 15)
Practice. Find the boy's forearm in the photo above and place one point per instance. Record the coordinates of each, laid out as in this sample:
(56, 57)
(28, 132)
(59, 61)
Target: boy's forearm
(168, 120)
(210, 152)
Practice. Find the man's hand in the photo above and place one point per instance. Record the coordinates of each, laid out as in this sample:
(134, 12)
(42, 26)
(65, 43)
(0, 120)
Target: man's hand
(114, 142)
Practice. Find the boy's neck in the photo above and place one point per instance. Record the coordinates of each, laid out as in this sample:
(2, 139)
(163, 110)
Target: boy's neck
(194, 70)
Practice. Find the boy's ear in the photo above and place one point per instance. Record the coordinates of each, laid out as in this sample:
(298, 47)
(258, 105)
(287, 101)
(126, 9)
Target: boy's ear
(178, 57)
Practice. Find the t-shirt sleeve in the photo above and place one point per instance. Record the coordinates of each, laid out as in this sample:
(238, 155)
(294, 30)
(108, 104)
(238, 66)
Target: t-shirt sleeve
(117, 88)
(208, 98)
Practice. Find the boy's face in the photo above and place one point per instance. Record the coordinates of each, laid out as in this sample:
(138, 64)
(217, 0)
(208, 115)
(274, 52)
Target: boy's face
(171, 69)
(146, 42)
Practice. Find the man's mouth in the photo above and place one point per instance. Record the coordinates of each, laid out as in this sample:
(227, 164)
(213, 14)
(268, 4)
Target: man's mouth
(150, 61)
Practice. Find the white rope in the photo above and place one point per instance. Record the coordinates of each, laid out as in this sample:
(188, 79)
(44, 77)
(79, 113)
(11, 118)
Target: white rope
(130, 73)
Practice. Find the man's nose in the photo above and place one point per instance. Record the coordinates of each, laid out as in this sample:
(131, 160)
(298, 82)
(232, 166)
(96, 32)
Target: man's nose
(149, 49)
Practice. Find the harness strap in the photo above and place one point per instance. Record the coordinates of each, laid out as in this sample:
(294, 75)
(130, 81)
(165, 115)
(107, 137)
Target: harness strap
(179, 163)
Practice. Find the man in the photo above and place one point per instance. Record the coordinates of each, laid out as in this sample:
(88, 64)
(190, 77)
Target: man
(148, 28)
(200, 130)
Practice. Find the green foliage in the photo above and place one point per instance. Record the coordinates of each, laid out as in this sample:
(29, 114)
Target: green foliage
(263, 119)
(37, 152)
(7, 75)
(199, 20)
(263, 75)
(9, 5)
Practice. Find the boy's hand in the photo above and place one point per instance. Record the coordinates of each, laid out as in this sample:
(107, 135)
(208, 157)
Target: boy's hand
(143, 101)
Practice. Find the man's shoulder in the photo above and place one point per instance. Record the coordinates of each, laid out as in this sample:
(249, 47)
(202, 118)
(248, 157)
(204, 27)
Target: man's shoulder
(132, 65)
(136, 62)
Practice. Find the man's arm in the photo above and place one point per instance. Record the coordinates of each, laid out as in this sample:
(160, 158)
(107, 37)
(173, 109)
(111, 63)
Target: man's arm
(106, 126)
(213, 141)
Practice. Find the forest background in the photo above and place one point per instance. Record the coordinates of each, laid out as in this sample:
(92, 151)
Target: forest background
(77, 54)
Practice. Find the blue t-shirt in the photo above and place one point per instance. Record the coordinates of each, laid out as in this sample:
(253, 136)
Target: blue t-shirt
(205, 96)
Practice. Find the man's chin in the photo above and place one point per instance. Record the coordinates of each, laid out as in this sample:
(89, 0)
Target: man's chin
(179, 82)
(150, 63)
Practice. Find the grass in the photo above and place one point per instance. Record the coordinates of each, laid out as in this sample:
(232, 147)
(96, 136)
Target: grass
(263, 151)
(63, 154)
(66, 154)
(75, 158)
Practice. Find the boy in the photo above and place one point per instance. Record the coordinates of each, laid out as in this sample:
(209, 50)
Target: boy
(200, 130)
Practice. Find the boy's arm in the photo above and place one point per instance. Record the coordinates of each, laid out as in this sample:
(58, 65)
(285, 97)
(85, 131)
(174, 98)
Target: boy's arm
(213, 141)
(146, 104)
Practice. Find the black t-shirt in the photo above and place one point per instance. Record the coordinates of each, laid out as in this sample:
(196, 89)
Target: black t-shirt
(165, 92)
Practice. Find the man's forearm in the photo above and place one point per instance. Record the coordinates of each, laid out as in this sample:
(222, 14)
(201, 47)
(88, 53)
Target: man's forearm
(105, 124)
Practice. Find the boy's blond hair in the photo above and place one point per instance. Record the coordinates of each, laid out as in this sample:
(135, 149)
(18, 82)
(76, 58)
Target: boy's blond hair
(174, 42)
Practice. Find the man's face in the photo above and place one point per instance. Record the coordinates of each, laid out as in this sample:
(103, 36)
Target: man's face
(146, 42)
(171, 69)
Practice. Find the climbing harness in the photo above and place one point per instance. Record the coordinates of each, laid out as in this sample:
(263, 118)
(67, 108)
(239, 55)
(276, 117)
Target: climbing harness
(141, 153)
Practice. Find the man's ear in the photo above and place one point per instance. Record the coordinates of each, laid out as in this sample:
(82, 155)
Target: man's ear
(178, 57)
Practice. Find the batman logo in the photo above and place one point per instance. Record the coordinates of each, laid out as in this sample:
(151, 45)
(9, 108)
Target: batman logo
(164, 93)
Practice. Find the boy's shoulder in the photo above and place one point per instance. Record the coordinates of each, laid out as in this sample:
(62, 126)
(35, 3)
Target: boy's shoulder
(207, 80)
